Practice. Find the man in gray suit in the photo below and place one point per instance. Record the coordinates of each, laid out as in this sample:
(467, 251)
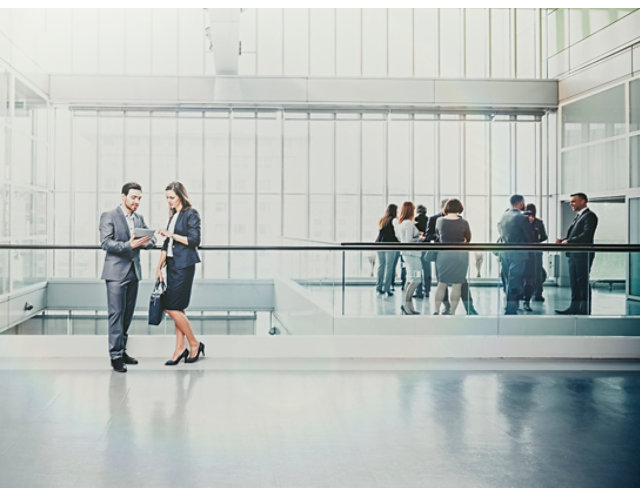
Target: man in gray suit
(122, 269)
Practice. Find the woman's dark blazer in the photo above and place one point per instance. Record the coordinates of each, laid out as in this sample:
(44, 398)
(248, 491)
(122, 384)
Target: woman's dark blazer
(188, 224)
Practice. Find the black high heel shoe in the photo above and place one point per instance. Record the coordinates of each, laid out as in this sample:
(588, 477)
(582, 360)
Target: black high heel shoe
(184, 354)
(195, 358)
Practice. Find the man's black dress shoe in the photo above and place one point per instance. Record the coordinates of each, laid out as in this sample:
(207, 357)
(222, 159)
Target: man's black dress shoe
(527, 307)
(129, 360)
(118, 365)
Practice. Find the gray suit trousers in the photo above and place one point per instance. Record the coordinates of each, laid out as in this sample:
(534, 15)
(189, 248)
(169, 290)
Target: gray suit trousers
(121, 301)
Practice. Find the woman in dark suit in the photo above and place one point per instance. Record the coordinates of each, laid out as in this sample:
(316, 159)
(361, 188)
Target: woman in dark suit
(180, 256)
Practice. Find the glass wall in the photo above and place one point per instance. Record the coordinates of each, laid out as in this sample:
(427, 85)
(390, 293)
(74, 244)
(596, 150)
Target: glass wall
(569, 26)
(24, 185)
(257, 176)
(597, 141)
(634, 237)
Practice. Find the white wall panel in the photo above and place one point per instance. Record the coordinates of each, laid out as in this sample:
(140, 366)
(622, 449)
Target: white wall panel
(138, 41)
(111, 41)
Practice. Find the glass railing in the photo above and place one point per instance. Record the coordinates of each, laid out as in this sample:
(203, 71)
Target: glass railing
(348, 289)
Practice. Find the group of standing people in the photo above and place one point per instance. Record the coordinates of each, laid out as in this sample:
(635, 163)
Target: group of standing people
(522, 272)
(448, 226)
(122, 271)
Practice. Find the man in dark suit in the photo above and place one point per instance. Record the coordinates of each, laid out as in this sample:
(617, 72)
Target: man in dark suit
(122, 269)
(432, 237)
(514, 228)
(581, 232)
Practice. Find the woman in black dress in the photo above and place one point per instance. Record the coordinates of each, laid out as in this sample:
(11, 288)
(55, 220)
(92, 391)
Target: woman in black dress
(180, 256)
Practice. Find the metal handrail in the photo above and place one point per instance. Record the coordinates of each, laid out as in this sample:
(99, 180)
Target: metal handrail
(491, 247)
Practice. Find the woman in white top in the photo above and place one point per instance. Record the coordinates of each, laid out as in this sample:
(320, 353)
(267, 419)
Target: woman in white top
(407, 232)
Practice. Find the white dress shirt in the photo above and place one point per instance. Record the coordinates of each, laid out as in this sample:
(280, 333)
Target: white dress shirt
(171, 228)
(129, 217)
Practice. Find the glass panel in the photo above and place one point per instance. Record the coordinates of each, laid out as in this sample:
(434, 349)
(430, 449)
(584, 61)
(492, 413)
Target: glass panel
(321, 156)
(164, 41)
(424, 158)
(295, 217)
(400, 38)
(190, 152)
(111, 41)
(476, 167)
(634, 238)
(450, 159)
(634, 104)
(425, 42)
(611, 218)
(215, 223)
(136, 151)
(321, 217)
(270, 42)
(635, 161)
(450, 43)
(374, 42)
(163, 152)
(269, 219)
(348, 39)
(373, 157)
(296, 42)
(216, 155)
(526, 158)
(269, 156)
(110, 154)
(138, 39)
(399, 158)
(5, 219)
(347, 157)
(295, 156)
(500, 158)
(582, 167)
(558, 32)
(85, 232)
(500, 44)
(84, 153)
(477, 45)
(243, 159)
(322, 50)
(348, 224)
(191, 46)
(595, 117)
(526, 43)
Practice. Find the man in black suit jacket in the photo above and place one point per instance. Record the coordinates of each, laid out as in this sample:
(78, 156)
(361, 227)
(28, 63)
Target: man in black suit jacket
(581, 232)
(515, 228)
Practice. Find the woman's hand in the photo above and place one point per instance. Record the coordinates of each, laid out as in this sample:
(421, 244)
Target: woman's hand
(159, 275)
(165, 233)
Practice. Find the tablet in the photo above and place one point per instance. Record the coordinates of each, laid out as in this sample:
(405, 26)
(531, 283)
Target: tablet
(140, 232)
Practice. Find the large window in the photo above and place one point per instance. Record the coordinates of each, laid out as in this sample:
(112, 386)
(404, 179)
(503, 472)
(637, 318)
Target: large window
(257, 176)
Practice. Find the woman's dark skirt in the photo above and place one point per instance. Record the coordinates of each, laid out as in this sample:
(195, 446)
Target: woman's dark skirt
(179, 283)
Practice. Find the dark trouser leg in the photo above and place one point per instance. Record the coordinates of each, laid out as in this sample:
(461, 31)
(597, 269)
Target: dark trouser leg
(538, 277)
(121, 300)
(581, 267)
(517, 265)
(467, 300)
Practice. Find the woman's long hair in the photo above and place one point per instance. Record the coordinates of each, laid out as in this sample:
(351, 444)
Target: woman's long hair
(408, 209)
(181, 192)
(389, 214)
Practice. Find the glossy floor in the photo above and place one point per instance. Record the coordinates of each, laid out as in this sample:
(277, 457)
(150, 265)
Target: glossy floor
(241, 423)
(363, 300)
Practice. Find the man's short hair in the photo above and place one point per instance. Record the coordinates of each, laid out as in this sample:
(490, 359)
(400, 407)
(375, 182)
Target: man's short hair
(126, 187)
(515, 199)
(443, 202)
(582, 196)
(421, 209)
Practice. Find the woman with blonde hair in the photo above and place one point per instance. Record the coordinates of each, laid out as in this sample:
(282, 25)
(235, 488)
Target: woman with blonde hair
(180, 256)
(408, 233)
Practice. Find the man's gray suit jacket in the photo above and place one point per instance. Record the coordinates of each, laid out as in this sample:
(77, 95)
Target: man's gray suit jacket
(114, 239)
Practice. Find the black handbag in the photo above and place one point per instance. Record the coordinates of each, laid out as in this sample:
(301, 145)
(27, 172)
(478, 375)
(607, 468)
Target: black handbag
(156, 307)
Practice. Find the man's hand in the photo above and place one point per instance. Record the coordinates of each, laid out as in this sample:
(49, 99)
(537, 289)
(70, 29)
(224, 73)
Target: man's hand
(138, 242)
